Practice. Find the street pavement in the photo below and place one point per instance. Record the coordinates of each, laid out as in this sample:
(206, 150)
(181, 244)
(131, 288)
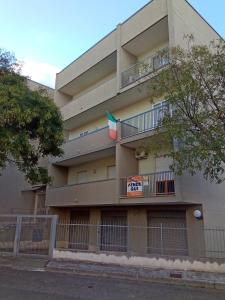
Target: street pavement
(32, 285)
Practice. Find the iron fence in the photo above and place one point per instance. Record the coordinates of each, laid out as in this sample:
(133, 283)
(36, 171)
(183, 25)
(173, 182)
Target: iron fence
(153, 185)
(157, 239)
(143, 122)
(27, 234)
(143, 68)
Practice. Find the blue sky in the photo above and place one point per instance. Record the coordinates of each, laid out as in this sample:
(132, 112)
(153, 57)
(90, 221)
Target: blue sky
(48, 35)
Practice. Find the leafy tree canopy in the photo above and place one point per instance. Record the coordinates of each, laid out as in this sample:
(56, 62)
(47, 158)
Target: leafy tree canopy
(194, 86)
(30, 123)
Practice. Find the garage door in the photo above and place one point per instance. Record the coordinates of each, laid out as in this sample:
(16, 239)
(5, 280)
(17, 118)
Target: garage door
(114, 231)
(167, 233)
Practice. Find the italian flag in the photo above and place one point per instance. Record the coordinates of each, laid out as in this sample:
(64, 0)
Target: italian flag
(112, 126)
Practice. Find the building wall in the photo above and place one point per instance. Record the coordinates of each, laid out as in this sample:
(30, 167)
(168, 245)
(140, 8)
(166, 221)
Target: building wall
(197, 190)
(15, 191)
(183, 19)
(12, 182)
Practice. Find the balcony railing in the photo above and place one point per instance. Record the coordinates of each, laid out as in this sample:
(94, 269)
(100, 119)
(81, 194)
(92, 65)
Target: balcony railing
(146, 121)
(150, 185)
(146, 67)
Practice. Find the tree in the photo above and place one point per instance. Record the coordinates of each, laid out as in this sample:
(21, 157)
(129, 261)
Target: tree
(30, 123)
(194, 86)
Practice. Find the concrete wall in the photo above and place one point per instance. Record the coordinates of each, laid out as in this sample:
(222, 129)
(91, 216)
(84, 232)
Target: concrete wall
(197, 190)
(12, 182)
(84, 194)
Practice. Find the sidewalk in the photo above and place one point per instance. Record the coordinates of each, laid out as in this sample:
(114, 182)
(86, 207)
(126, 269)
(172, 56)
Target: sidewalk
(187, 278)
(23, 263)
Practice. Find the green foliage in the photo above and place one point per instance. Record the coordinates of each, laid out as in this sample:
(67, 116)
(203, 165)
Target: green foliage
(194, 86)
(30, 123)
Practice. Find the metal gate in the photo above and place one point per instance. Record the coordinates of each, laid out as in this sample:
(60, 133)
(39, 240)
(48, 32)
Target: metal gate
(114, 231)
(167, 233)
(27, 234)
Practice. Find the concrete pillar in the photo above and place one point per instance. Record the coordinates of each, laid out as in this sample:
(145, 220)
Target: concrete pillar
(195, 233)
(59, 175)
(124, 58)
(137, 235)
(126, 165)
(171, 23)
(60, 98)
(94, 231)
(63, 228)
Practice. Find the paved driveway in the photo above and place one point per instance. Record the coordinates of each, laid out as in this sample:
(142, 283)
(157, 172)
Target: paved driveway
(24, 285)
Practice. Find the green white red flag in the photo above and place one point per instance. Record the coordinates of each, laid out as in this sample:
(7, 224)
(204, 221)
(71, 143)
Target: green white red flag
(112, 126)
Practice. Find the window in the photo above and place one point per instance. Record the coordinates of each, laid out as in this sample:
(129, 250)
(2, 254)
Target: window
(165, 187)
(82, 176)
(111, 172)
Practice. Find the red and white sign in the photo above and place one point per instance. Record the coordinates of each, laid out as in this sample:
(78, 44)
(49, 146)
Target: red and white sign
(135, 186)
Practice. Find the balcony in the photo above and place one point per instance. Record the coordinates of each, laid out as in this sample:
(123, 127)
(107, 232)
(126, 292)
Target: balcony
(90, 193)
(144, 122)
(147, 186)
(93, 145)
(148, 66)
(72, 111)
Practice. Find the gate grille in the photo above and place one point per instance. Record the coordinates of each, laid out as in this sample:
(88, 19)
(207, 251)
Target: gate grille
(27, 234)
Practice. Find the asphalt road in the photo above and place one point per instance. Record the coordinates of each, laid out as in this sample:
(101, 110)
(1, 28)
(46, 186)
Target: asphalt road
(47, 285)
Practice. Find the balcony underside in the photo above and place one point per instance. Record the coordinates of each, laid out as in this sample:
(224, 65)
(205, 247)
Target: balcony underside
(91, 76)
(143, 139)
(157, 34)
(86, 157)
(163, 200)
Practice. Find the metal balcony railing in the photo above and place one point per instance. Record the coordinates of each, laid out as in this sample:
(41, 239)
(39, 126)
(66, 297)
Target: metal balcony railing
(149, 65)
(143, 122)
(152, 185)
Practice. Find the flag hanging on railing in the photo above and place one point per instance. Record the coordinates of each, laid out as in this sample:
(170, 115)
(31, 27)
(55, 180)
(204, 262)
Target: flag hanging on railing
(112, 126)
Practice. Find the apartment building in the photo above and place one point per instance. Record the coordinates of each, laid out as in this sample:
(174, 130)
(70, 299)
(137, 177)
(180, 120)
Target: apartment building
(117, 182)
(17, 196)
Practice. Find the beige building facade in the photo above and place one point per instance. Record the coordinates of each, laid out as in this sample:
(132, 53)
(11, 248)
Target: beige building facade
(17, 196)
(90, 180)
